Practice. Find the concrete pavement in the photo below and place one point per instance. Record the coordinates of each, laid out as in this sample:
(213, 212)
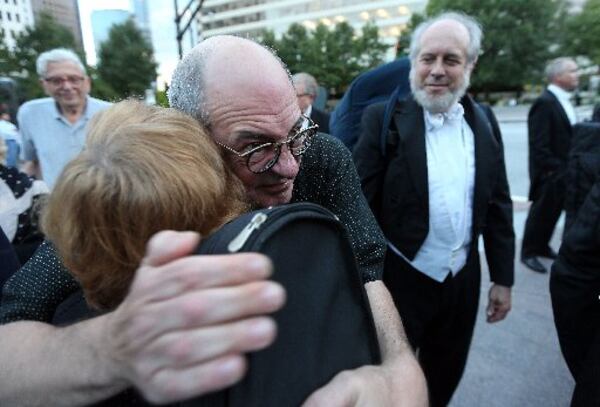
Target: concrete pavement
(517, 362)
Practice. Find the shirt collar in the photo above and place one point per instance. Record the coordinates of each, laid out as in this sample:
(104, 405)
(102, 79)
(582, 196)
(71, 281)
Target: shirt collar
(58, 114)
(308, 111)
(435, 121)
(559, 92)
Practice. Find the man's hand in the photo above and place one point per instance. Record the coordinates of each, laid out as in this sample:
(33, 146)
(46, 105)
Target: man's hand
(499, 303)
(186, 323)
(398, 383)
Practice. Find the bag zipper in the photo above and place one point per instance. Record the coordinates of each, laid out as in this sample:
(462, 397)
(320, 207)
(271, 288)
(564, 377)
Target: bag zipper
(260, 218)
(238, 242)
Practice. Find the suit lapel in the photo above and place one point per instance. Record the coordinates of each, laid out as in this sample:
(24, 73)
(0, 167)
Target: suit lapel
(411, 129)
(484, 152)
(560, 109)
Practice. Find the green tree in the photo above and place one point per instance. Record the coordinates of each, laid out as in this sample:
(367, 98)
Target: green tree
(583, 32)
(100, 88)
(126, 60)
(403, 46)
(46, 34)
(161, 98)
(519, 37)
(335, 56)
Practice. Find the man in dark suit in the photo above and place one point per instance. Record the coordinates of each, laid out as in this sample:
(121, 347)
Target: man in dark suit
(438, 184)
(550, 121)
(574, 288)
(307, 90)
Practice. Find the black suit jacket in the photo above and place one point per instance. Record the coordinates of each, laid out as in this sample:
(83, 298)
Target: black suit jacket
(549, 140)
(575, 285)
(321, 118)
(396, 185)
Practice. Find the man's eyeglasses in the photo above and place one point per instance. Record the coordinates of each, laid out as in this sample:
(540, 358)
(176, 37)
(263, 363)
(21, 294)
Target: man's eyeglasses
(59, 80)
(261, 157)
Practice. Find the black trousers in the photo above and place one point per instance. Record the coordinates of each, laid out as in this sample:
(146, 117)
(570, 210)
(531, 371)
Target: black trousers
(439, 319)
(587, 387)
(548, 202)
(577, 320)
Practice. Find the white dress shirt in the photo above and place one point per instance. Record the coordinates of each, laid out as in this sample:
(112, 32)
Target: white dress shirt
(308, 111)
(450, 148)
(564, 98)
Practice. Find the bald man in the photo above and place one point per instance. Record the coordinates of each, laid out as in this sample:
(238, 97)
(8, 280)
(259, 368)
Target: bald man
(243, 107)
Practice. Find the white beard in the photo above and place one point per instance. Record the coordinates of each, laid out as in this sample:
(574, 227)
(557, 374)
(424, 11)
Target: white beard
(441, 103)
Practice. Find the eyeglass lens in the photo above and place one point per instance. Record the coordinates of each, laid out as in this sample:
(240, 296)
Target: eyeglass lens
(264, 158)
(57, 80)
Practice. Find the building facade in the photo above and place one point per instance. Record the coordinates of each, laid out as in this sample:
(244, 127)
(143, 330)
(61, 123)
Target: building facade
(102, 22)
(15, 17)
(64, 12)
(142, 17)
(250, 17)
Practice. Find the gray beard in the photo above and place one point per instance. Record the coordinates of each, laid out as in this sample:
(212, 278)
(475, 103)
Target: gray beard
(437, 104)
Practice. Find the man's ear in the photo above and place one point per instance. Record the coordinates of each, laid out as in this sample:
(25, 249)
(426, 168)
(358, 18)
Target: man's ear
(44, 86)
(471, 65)
(88, 83)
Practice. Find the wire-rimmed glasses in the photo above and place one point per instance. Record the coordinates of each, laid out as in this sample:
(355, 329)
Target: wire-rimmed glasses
(261, 157)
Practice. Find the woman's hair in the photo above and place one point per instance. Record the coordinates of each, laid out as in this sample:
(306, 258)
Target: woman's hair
(143, 169)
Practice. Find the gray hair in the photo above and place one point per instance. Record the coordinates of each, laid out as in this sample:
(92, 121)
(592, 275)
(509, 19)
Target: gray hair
(187, 92)
(311, 87)
(56, 55)
(556, 67)
(472, 26)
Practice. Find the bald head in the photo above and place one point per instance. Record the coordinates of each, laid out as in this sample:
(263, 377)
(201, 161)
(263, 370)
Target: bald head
(221, 68)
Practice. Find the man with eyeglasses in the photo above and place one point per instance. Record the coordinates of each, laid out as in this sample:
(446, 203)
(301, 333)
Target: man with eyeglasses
(53, 128)
(251, 111)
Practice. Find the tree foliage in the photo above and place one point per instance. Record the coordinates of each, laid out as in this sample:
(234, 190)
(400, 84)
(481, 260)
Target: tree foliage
(19, 62)
(335, 56)
(519, 37)
(403, 46)
(126, 61)
(583, 32)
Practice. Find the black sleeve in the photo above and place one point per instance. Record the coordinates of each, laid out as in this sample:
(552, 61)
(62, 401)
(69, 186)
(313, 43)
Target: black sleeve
(539, 125)
(8, 260)
(575, 286)
(34, 292)
(370, 163)
(328, 178)
(498, 233)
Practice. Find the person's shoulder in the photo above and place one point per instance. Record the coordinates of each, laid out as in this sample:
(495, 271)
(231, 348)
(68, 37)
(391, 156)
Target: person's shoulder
(325, 141)
(375, 108)
(6, 126)
(99, 103)
(543, 103)
(325, 148)
(36, 106)
(547, 96)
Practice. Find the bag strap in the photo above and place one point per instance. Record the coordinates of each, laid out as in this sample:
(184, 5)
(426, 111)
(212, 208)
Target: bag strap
(387, 121)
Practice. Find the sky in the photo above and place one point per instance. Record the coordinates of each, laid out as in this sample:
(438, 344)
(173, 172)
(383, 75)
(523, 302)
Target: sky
(162, 14)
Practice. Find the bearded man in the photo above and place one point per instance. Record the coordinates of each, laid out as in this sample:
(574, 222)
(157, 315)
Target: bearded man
(438, 184)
